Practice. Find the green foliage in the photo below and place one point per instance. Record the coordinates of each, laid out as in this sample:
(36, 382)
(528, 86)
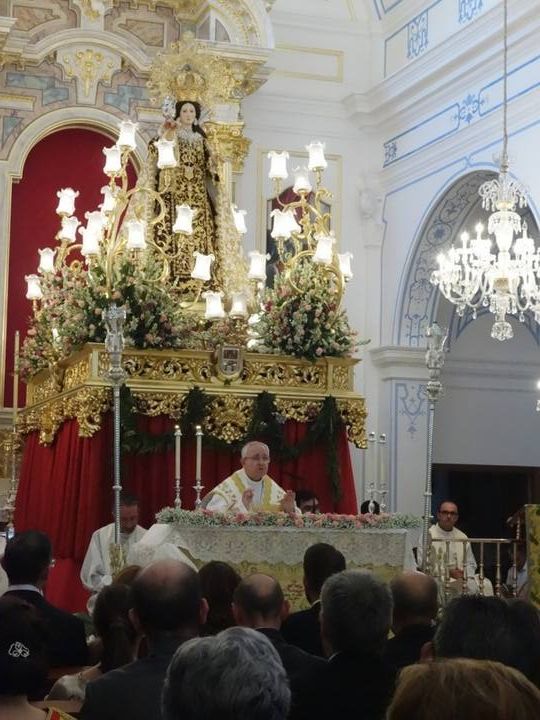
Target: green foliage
(265, 424)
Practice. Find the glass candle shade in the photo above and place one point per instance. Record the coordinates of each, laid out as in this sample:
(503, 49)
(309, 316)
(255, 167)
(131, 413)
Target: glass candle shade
(344, 260)
(323, 251)
(184, 219)
(240, 220)
(113, 160)
(278, 165)
(166, 156)
(46, 260)
(136, 239)
(316, 161)
(301, 180)
(238, 305)
(33, 287)
(126, 138)
(203, 263)
(257, 265)
(214, 305)
(68, 231)
(66, 201)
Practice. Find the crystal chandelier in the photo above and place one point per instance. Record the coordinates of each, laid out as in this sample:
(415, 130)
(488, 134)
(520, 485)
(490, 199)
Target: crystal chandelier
(501, 277)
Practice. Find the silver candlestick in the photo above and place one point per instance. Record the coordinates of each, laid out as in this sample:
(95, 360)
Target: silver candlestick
(114, 344)
(436, 339)
(198, 487)
(177, 450)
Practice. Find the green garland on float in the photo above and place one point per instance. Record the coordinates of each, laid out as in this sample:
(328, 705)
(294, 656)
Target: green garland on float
(265, 424)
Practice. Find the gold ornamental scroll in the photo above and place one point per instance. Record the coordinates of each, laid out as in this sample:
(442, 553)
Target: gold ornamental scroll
(159, 379)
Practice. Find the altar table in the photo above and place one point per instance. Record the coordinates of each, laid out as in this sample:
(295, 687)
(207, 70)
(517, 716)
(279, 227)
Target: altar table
(279, 551)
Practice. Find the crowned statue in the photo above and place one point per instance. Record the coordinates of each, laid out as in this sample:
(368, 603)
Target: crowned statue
(193, 183)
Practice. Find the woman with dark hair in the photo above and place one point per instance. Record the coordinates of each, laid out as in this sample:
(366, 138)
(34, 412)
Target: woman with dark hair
(118, 639)
(218, 583)
(190, 183)
(23, 662)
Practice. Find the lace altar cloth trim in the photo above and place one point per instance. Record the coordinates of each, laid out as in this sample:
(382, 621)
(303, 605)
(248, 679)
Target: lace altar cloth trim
(363, 548)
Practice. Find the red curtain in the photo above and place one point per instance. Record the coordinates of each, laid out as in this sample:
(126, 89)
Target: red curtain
(65, 488)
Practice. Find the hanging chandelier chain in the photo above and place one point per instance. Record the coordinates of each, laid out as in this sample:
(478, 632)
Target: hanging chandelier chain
(504, 158)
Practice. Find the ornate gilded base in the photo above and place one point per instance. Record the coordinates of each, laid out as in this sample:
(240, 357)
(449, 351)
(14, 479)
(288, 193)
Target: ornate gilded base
(159, 379)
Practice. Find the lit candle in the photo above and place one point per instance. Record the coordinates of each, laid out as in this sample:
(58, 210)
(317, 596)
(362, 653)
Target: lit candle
(126, 139)
(113, 162)
(214, 305)
(257, 265)
(166, 156)
(69, 229)
(16, 377)
(301, 180)
(278, 165)
(238, 305)
(344, 260)
(184, 219)
(109, 200)
(198, 433)
(66, 201)
(239, 220)
(323, 252)
(316, 161)
(33, 287)
(136, 234)
(46, 260)
(177, 448)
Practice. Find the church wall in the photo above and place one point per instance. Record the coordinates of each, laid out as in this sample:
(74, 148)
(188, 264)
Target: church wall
(487, 415)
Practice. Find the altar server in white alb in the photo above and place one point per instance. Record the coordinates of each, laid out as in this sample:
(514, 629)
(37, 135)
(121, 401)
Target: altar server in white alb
(250, 489)
(460, 555)
(96, 568)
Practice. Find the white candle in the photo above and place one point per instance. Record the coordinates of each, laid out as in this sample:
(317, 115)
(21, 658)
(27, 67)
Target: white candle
(198, 433)
(16, 377)
(177, 448)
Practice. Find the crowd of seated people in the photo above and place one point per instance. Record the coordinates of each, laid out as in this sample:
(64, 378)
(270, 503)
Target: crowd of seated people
(170, 643)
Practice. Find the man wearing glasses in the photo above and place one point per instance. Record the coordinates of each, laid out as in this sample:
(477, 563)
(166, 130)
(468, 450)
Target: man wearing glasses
(448, 551)
(250, 489)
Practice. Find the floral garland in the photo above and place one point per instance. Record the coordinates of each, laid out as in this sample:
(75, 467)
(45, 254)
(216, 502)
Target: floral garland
(306, 324)
(331, 521)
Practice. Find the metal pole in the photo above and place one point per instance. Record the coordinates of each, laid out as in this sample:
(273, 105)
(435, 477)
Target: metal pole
(114, 344)
(434, 362)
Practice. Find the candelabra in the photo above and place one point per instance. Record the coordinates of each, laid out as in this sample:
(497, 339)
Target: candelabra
(436, 339)
(301, 228)
(504, 281)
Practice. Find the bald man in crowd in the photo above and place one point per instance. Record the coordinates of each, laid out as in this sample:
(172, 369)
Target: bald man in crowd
(259, 603)
(168, 609)
(415, 600)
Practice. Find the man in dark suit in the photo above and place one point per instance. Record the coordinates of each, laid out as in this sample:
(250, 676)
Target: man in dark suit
(27, 559)
(356, 611)
(415, 598)
(168, 609)
(303, 628)
(258, 603)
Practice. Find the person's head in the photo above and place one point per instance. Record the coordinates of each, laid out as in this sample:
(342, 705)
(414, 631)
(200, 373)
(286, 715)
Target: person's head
(489, 628)
(364, 507)
(218, 582)
(236, 675)
(27, 558)
(23, 648)
(307, 501)
(447, 515)
(129, 512)
(320, 562)
(356, 612)
(167, 600)
(258, 602)
(113, 627)
(415, 599)
(255, 457)
(465, 689)
(188, 114)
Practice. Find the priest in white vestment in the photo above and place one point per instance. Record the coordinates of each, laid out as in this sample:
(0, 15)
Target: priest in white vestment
(250, 489)
(96, 568)
(449, 551)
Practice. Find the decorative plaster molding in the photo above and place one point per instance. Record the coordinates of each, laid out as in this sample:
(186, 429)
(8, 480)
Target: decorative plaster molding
(89, 66)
